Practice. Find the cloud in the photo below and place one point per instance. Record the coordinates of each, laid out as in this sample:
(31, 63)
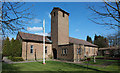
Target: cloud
(46, 34)
(34, 28)
(49, 16)
(76, 30)
(35, 20)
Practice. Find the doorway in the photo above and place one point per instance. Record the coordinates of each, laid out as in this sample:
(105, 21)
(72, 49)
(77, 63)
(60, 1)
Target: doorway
(55, 53)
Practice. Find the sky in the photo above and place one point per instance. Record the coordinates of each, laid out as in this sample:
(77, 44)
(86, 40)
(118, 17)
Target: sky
(79, 24)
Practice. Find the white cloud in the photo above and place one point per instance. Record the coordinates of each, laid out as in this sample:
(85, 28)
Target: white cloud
(34, 28)
(49, 16)
(46, 34)
(35, 20)
(76, 30)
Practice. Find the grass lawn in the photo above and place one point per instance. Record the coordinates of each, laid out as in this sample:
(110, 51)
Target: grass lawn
(55, 66)
(101, 61)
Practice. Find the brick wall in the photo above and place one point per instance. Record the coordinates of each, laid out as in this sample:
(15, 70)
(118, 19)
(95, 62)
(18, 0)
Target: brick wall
(39, 50)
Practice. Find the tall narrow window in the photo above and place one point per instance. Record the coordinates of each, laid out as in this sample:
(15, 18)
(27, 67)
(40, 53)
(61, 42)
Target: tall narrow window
(63, 14)
(77, 50)
(54, 13)
(31, 49)
(46, 49)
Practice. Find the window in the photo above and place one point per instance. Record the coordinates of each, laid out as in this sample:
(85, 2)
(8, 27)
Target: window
(63, 14)
(46, 49)
(54, 13)
(31, 50)
(64, 51)
(79, 50)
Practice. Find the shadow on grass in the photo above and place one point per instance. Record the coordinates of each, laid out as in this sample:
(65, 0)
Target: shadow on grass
(8, 68)
(89, 68)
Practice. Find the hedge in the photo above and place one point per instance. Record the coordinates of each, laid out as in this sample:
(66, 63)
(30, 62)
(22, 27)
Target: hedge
(15, 59)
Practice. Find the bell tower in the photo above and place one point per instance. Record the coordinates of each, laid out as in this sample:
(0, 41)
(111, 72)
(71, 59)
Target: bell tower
(59, 27)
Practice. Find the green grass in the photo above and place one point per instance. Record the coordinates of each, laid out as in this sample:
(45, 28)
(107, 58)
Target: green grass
(55, 66)
(100, 61)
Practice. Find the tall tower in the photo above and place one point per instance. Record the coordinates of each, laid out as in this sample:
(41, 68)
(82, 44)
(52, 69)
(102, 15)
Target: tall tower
(59, 27)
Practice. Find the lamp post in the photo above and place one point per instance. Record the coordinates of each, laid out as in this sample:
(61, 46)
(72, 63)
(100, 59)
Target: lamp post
(44, 41)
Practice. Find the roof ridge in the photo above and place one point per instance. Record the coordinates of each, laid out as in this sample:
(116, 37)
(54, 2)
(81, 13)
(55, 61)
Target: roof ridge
(32, 34)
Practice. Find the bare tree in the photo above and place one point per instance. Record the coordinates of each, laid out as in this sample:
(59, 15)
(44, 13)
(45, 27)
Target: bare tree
(113, 39)
(107, 14)
(14, 17)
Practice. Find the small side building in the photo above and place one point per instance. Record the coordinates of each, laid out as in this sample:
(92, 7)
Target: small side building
(32, 46)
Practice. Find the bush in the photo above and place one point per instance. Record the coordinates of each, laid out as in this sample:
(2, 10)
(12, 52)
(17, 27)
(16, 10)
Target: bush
(15, 59)
(10, 57)
(50, 56)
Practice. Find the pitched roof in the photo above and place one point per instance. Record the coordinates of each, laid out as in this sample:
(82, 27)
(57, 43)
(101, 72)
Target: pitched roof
(33, 37)
(79, 41)
(109, 48)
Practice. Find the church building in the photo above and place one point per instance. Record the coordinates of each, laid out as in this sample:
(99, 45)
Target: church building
(59, 45)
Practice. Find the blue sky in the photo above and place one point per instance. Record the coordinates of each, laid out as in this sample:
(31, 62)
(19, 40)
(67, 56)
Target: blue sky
(79, 24)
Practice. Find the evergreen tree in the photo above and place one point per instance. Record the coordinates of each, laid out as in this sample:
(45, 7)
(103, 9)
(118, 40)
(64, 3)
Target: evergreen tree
(89, 39)
(100, 41)
(6, 47)
(12, 44)
(17, 49)
(12, 48)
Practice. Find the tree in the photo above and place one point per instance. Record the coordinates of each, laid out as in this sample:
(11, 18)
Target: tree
(17, 48)
(12, 44)
(6, 47)
(89, 39)
(113, 39)
(101, 41)
(12, 48)
(14, 16)
(107, 14)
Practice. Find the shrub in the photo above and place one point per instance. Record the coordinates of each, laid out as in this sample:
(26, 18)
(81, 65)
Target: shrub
(50, 56)
(10, 57)
(15, 59)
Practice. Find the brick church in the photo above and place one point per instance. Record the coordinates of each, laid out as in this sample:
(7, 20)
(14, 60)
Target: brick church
(59, 45)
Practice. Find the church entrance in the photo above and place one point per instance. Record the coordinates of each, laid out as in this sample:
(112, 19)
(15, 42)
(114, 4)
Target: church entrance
(54, 53)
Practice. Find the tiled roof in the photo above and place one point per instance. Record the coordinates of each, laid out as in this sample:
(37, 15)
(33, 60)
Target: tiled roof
(109, 48)
(79, 41)
(33, 37)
